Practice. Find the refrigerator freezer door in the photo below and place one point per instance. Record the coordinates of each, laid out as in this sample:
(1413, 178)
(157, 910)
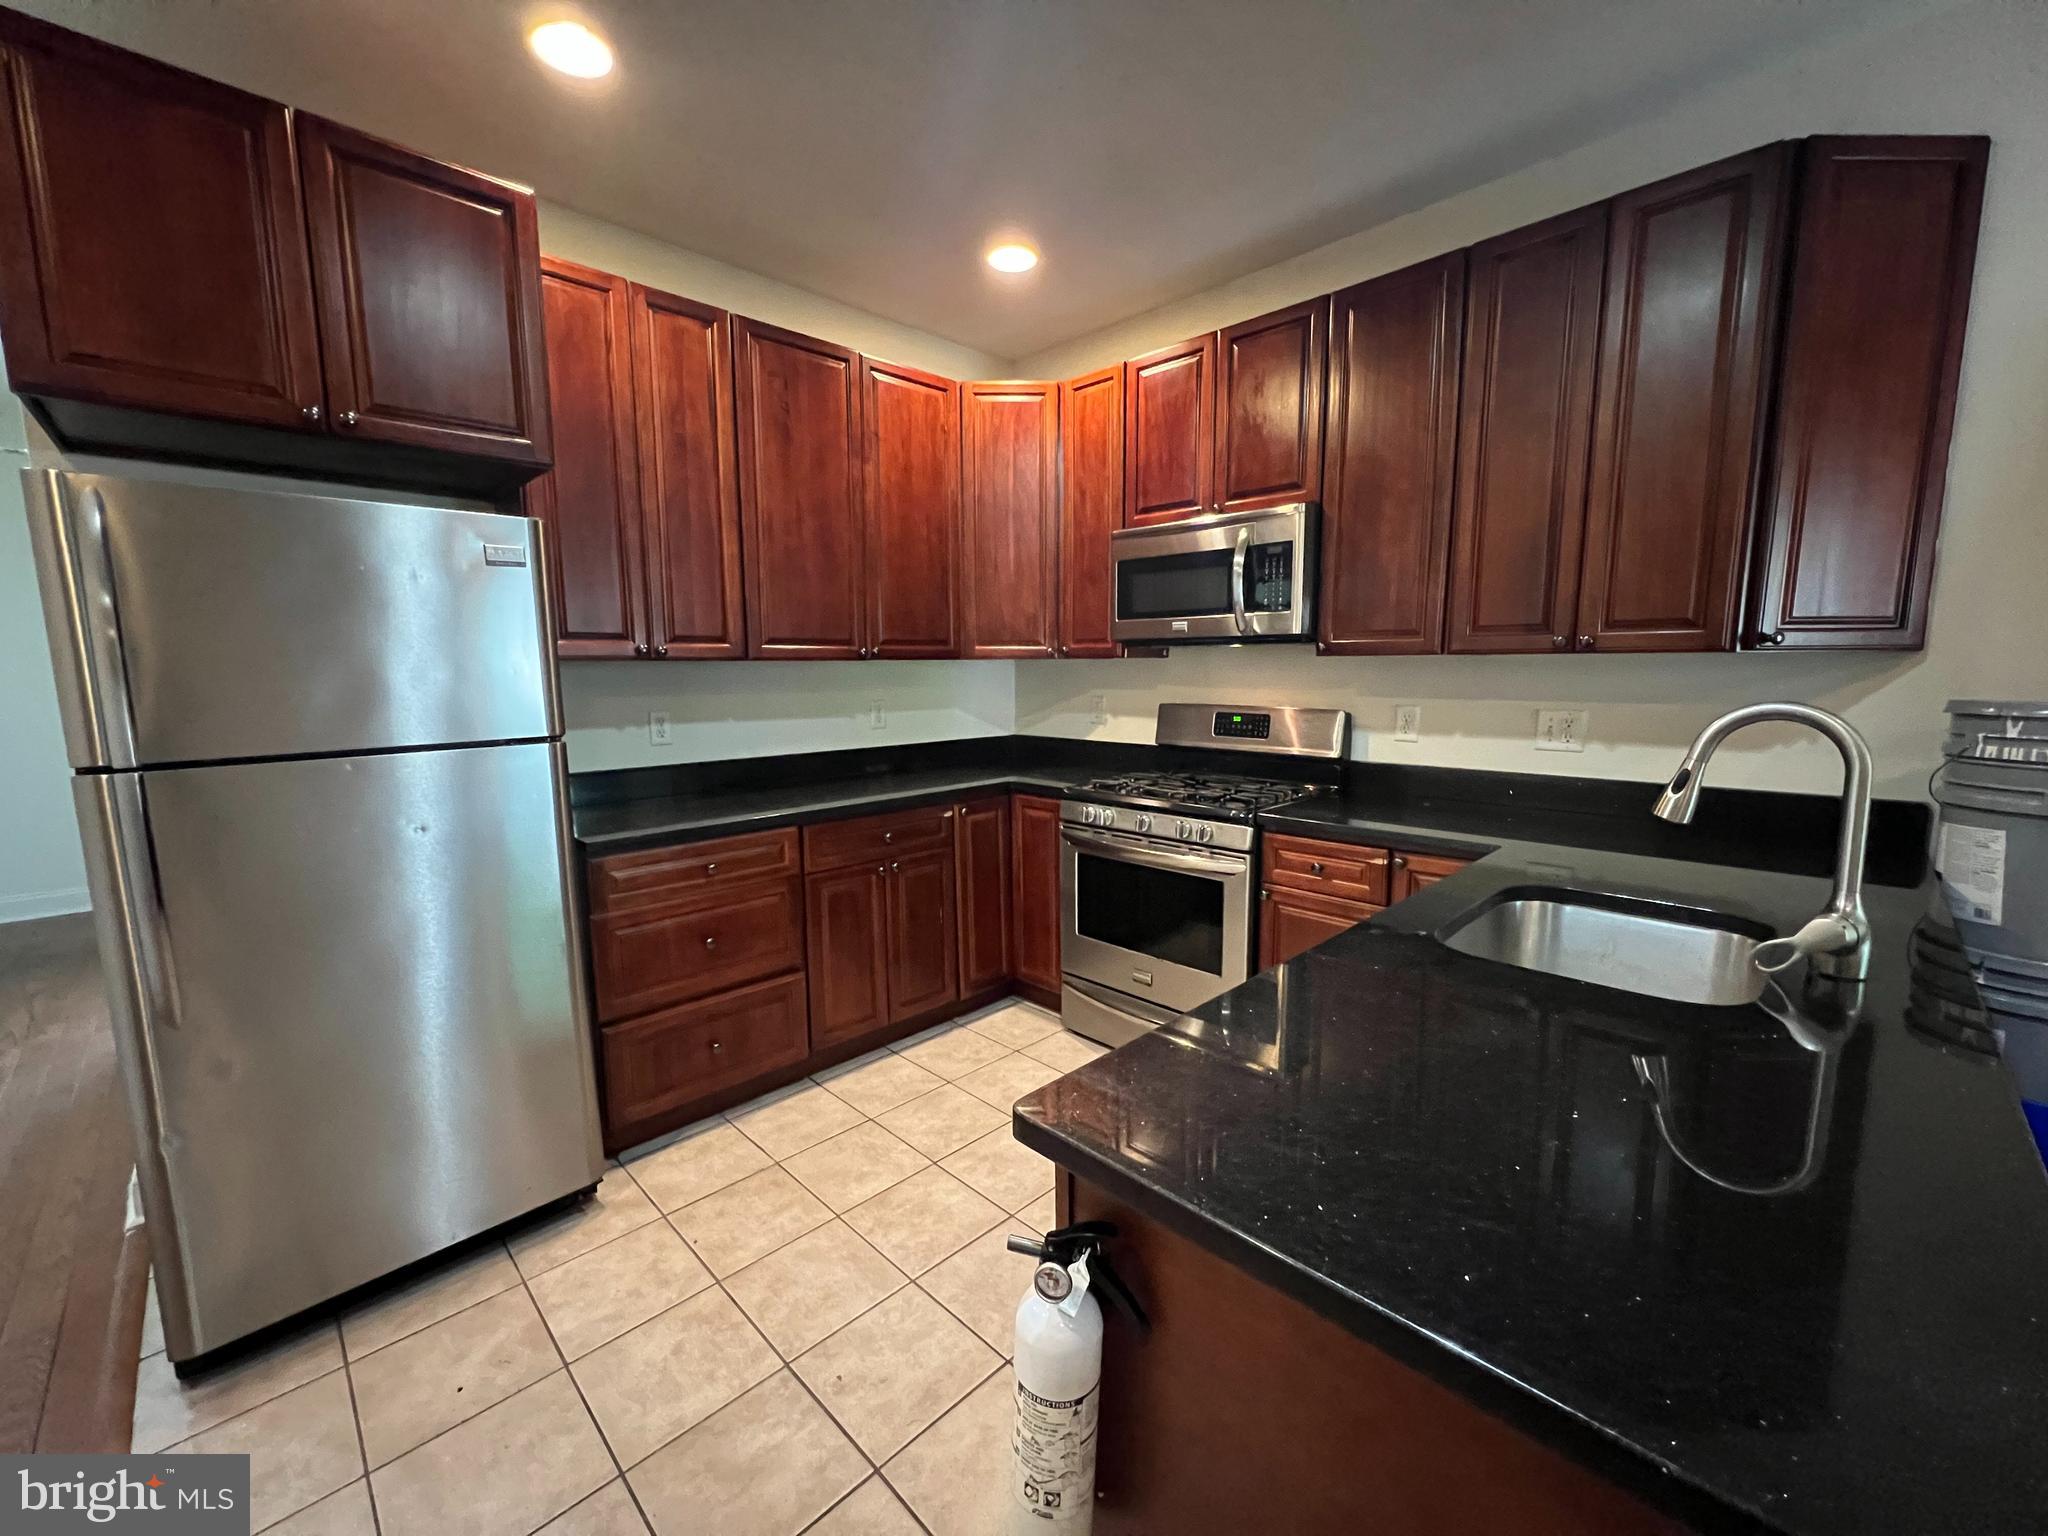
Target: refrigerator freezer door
(346, 1000)
(196, 624)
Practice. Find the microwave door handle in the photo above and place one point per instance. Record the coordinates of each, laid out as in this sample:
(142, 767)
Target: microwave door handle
(1155, 858)
(1237, 566)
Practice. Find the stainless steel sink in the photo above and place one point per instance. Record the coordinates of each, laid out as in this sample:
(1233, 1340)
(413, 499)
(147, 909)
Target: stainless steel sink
(1682, 954)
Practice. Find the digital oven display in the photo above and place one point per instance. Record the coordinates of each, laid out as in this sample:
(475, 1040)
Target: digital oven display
(1245, 727)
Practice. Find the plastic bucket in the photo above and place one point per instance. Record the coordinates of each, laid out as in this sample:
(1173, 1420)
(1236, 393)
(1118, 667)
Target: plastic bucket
(2024, 1046)
(1991, 850)
(2012, 731)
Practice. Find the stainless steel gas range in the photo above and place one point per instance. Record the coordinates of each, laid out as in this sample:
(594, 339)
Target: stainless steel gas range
(1158, 871)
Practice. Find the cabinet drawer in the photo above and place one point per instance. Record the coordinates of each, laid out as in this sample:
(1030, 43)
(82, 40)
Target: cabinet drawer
(1326, 869)
(642, 959)
(655, 1065)
(877, 839)
(662, 876)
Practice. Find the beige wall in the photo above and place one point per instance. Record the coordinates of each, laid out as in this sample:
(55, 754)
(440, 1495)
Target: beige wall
(1982, 68)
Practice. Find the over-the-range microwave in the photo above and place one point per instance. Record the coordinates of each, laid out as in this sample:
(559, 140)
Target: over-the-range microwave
(1230, 576)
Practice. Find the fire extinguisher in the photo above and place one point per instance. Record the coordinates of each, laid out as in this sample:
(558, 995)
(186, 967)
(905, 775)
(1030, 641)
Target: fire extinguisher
(1058, 1359)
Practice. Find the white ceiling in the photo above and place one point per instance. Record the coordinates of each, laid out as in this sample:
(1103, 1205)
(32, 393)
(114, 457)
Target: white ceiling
(866, 149)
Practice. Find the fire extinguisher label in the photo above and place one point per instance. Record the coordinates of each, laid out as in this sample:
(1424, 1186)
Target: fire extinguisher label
(1053, 1465)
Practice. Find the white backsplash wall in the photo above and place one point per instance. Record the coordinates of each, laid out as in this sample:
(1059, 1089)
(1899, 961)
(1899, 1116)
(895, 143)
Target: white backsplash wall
(1981, 67)
(1480, 711)
(720, 709)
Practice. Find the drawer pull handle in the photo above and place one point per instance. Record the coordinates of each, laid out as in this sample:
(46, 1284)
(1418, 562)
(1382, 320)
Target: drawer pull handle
(716, 1047)
(711, 868)
(893, 867)
(710, 941)
(1315, 866)
(888, 837)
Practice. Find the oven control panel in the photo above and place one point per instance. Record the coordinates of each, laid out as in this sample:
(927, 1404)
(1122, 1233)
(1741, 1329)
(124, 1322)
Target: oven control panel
(1245, 727)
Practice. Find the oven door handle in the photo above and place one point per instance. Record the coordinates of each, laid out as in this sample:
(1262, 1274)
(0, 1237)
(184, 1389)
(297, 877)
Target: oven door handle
(1237, 564)
(1156, 858)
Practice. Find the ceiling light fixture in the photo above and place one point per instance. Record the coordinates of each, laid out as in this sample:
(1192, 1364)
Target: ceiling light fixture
(1012, 258)
(572, 48)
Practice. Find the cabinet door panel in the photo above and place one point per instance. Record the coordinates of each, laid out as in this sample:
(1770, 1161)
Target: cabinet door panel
(1532, 321)
(1880, 291)
(1269, 424)
(589, 500)
(660, 1064)
(1169, 432)
(428, 281)
(1414, 871)
(1693, 274)
(1091, 507)
(646, 959)
(152, 252)
(1035, 877)
(1291, 922)
(1392, 457)
(924, 968)
(1009, 516)
(911, 489)
(848, 952)
(689, 485)
(981, 883)
(799, 456)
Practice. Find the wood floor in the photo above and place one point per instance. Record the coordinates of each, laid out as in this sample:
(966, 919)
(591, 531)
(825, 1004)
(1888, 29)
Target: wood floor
(71, 1283)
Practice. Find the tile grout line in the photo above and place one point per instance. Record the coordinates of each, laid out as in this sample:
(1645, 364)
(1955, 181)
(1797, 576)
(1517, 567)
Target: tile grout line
(355, 1414)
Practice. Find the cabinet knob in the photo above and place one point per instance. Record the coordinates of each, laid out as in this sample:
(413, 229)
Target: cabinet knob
(661, 650)
(711, 868)
(1400, 861)
(1560, 642)
(945, 815)
(347, 418)
(1585, 642)
(1315, 866)
(1775, 637)
(640, 650)
(894, 867)
(888, 837)
(311, 412)
(711, 941)
(716, 1047)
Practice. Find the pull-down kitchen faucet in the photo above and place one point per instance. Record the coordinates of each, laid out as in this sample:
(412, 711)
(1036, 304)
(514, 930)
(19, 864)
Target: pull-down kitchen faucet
(1837, 941)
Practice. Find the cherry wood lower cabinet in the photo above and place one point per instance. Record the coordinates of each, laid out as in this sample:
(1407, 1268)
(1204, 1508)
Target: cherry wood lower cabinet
(1319, 1426)
(1413, 871)
(1035, 897)
(848, 946)
(1312, 889)
(681, 1057)
(1291, 922)
(981, 881)
(923, 925)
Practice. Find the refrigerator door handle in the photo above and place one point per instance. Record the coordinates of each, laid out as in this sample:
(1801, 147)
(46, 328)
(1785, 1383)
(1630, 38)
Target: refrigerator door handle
(93, 686)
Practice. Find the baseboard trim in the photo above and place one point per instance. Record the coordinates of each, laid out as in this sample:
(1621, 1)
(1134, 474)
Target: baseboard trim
(33, 904)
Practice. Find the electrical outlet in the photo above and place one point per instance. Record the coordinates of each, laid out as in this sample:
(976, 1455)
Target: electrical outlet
(1560, 730)
(659, 731)
(1408, 722)
(1098, 708)
(878, 715)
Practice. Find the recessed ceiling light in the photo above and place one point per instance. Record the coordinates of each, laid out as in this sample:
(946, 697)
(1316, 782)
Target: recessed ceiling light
(1012, 257)
(572, 48)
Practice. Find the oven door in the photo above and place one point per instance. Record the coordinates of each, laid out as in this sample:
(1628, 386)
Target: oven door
(1238, 576)
(1168, 924)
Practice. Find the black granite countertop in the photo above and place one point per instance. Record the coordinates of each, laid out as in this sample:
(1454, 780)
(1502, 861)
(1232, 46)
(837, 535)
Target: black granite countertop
(1789, 1276)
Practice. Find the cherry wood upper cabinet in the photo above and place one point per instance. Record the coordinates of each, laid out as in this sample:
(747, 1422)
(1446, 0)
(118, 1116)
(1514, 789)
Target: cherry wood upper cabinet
(689, 485)
(911, 490)
(1035, 892)
(1694, 267)
(427, 278)
(1091, 507)
(981, 882)
(589, 502)
(1269, 413)
(799, 403)
(1009, 518)
(1532, 325)
(1170, 432)
(152, 251)
(1388, 475)
(1886, 246)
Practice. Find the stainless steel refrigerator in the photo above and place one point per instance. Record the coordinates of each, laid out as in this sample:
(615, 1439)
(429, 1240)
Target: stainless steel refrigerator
(320, 779)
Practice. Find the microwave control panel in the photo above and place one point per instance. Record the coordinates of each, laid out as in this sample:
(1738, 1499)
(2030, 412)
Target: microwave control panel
(1269, 578)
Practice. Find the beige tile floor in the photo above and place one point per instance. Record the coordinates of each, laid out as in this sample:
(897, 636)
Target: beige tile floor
(791, 1317)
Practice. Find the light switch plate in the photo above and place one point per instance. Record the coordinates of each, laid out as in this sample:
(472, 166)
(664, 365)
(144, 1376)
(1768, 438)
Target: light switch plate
(659, 732)
(1560, 730)
(1408, 722)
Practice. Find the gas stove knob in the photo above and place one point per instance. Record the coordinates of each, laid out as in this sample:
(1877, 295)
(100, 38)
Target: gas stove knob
(1205, 834)
(1144, 823)
(1090, 815)
(1183, 829)
(1108, 816)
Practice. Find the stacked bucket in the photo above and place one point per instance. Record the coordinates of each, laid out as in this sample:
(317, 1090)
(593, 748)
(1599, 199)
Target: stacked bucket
(1991, 850)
